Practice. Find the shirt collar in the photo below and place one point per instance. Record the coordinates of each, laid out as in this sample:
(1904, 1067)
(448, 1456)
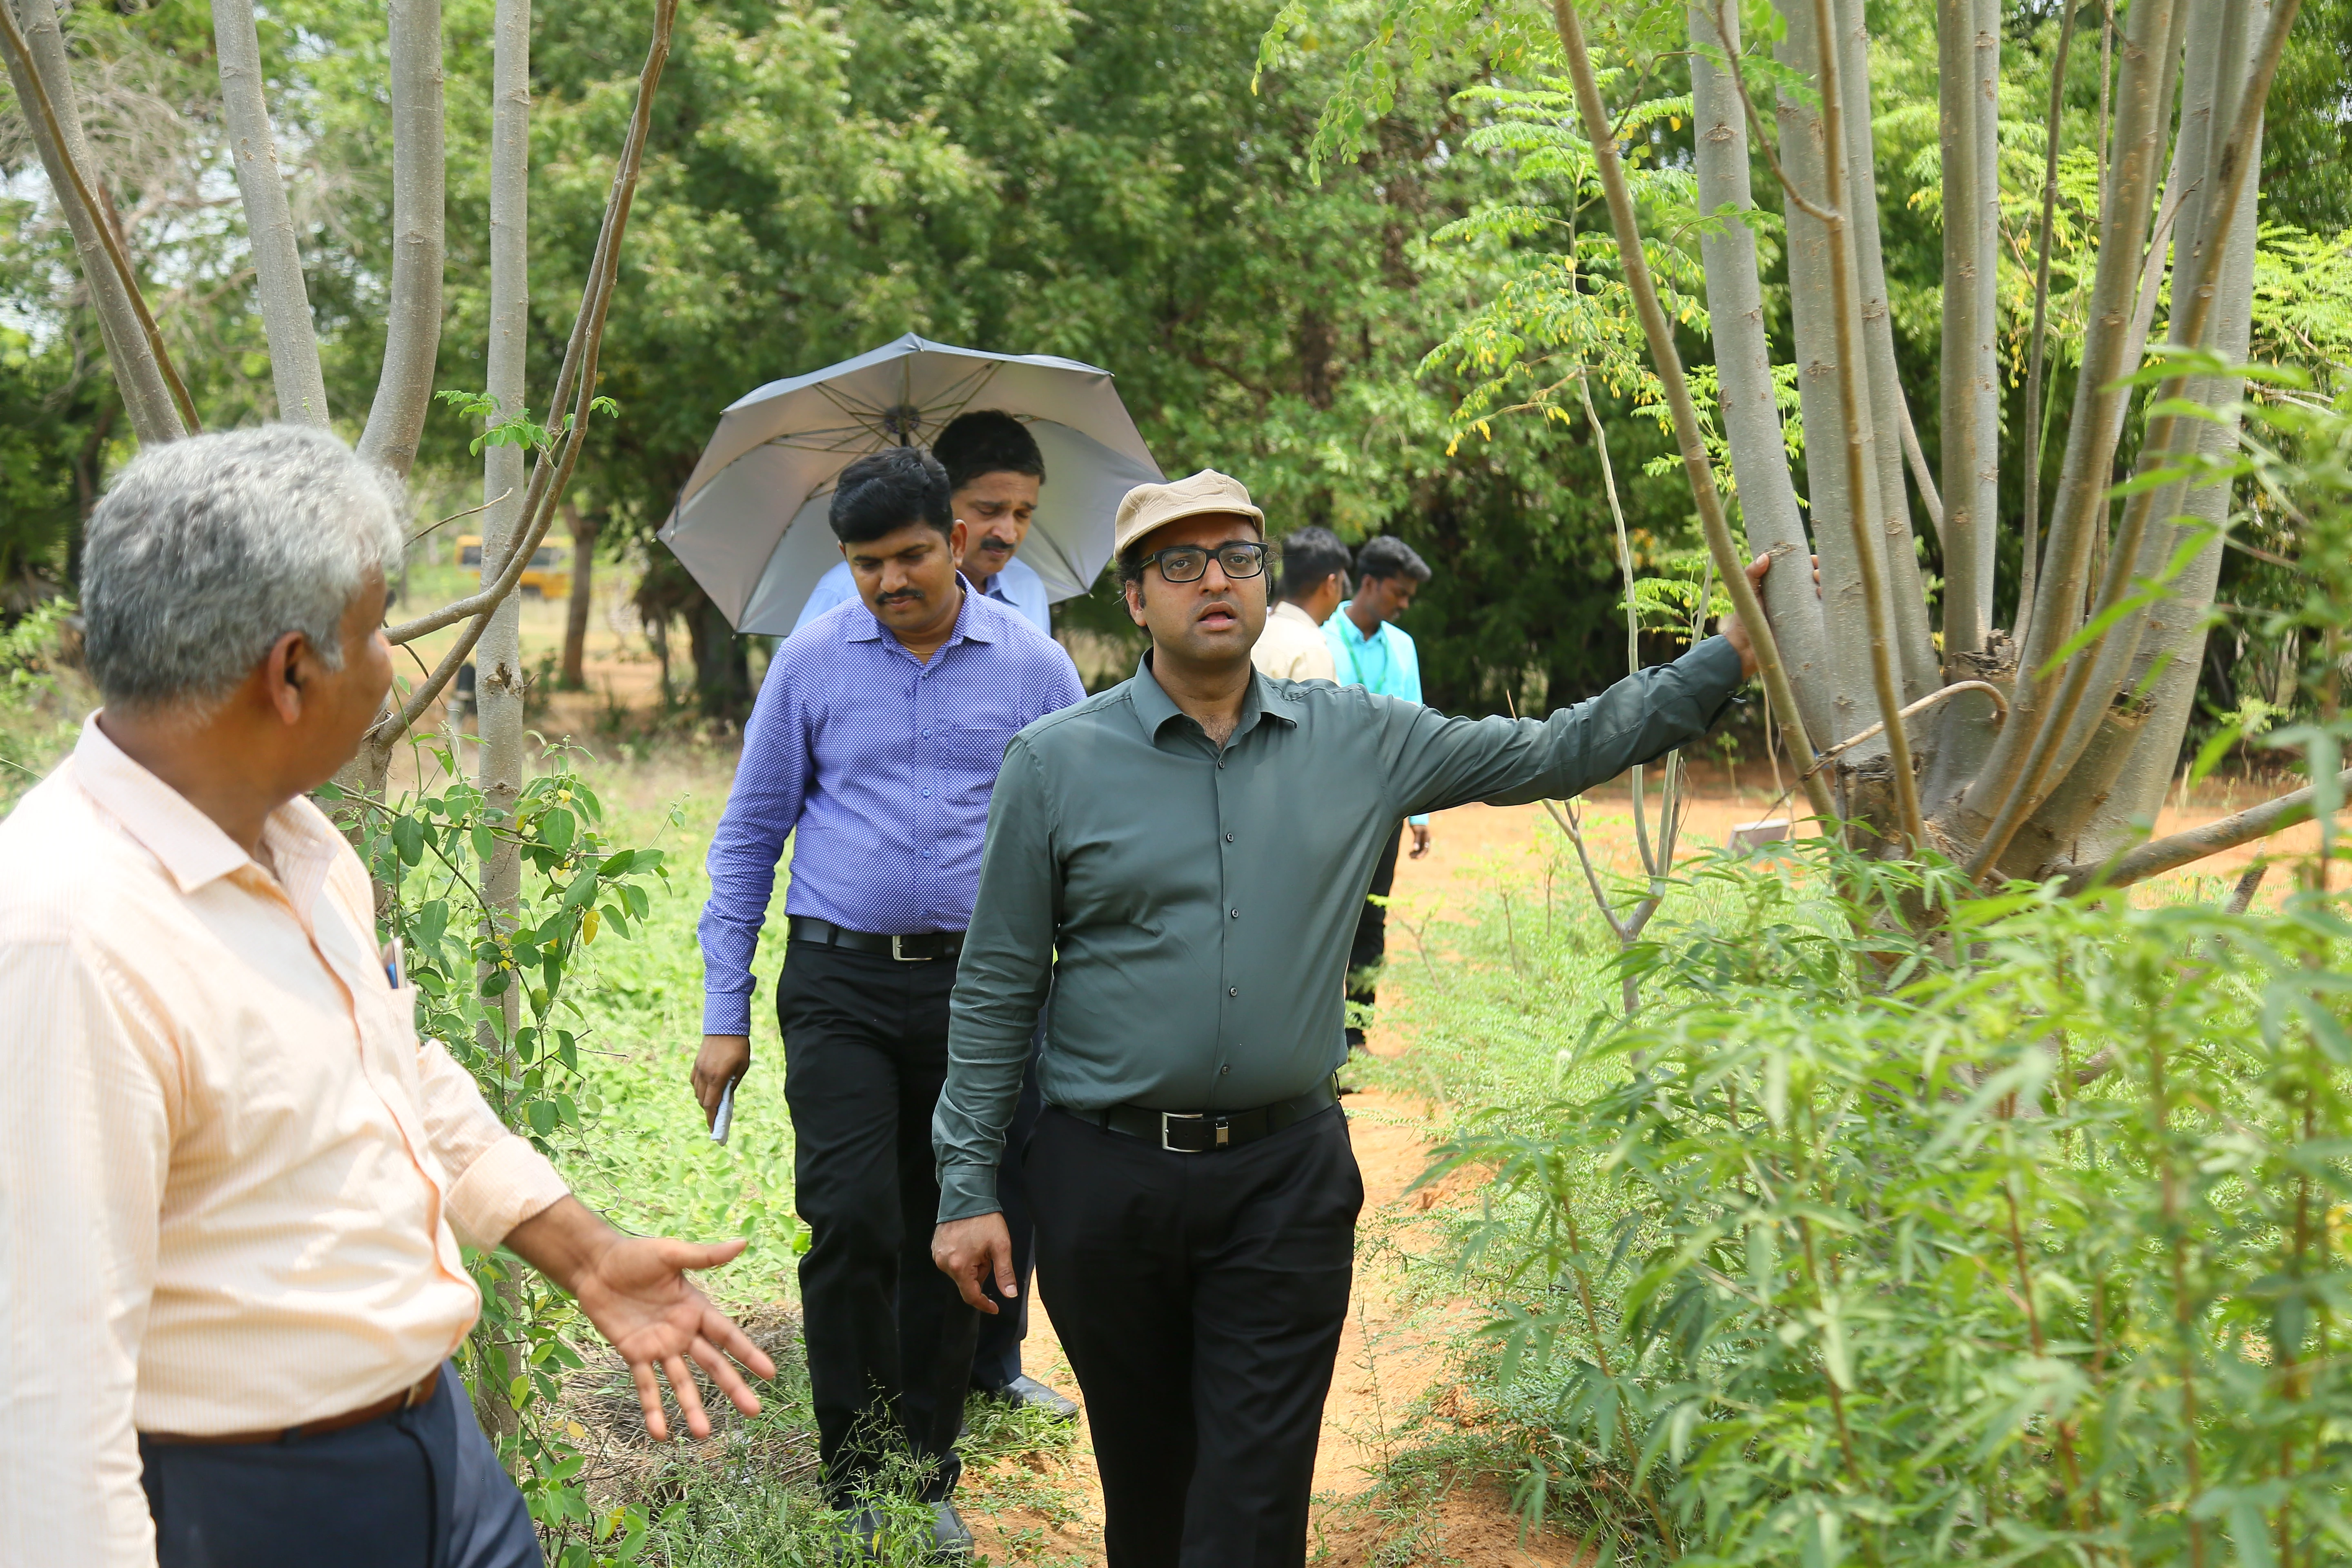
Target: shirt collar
(969, 627)
(296, 839)
(1290, 611)
(1347, 628)
(1156, 709)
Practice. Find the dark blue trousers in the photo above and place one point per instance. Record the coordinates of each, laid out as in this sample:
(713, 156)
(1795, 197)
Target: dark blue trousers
(417, 1488)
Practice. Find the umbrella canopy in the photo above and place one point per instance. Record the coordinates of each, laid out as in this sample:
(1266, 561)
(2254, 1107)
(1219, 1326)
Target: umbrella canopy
(750, 524)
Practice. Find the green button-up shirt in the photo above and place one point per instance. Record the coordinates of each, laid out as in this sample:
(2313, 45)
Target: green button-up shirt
(1190, 909)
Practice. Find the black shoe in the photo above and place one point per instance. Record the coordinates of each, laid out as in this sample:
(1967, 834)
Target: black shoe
(950, 1541)
(1028, 1394)
(860, 1530)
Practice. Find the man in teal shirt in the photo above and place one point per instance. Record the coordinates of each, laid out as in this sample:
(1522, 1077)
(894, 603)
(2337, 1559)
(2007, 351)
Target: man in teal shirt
(1373, 651)
(1179, 860)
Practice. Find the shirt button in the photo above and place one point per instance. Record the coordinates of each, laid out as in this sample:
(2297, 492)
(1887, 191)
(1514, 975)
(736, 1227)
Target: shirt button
(927, 794)
(1229, 838)
(1224, 1070)
(1235, 913)
(1232, 990)
(927, 854)
(927, 734)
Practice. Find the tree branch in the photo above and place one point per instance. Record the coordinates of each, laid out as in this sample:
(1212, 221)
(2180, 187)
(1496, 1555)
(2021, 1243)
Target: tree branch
(577, 376)
(1743, 361)
(2162, 446)
(2096, 423)
(152, 392)
(1847, 304)
(2030, 439)
(2169, 853)
(412, 336)
(268, 223)
(1668, 360)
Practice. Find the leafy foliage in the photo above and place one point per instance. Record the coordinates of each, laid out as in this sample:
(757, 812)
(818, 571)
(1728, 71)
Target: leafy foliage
(465, 959)
(1865, 1255)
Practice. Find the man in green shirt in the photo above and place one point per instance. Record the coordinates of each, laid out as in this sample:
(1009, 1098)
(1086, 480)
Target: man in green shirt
(1181, 860)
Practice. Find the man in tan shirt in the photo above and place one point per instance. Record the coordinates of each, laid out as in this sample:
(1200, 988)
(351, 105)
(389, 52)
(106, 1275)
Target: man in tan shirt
(1314, 580)
(232, 1178)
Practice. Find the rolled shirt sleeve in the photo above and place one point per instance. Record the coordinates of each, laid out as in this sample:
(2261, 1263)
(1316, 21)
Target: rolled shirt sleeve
(1002, 982)
(496, 1180)
(84, 1150)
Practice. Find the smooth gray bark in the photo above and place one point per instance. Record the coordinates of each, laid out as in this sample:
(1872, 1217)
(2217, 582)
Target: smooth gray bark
(269, 221)
(1914, 639)
(145, 396)
(1751, 416)
(2102, 815)
(1813, 310)
(404, 391)
(2097, 421)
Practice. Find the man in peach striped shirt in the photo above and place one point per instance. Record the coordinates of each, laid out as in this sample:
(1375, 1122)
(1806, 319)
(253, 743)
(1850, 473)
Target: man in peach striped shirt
(232, 1178)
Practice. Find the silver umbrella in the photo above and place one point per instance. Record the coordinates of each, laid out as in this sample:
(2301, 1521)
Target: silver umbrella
(750, 523)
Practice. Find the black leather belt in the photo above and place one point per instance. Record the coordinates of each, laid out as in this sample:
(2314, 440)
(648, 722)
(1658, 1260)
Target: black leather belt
(917, 949)
(1206, 1131)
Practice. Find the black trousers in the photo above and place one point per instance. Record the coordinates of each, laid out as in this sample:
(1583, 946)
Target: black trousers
(1200, 1299)
(996, 1358)
(889, 1342)
(1372, 935)
(417, 1488)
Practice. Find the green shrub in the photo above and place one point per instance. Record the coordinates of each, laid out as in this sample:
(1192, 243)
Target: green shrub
(1859, 1253)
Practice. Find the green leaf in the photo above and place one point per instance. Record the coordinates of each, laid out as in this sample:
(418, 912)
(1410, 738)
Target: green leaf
(486, 843)
(542, 1117)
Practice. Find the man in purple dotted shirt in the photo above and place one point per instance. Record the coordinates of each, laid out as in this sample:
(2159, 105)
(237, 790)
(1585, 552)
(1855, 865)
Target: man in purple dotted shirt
(874, 743)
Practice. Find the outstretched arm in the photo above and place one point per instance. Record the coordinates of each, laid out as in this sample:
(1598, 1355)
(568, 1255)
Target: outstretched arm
(1434, 762)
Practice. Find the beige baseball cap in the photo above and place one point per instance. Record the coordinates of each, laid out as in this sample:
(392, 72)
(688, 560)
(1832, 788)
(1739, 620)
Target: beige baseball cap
(1147, 507)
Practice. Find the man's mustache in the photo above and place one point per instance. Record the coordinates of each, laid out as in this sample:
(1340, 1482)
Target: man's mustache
(899, 596)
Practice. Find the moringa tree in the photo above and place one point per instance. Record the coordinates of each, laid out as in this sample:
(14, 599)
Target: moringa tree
(2038, 747)
(522, 506)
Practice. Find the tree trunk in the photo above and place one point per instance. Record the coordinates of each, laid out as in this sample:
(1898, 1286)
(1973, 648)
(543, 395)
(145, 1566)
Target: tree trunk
(268, 222)
(585, 528)
(1743, 361)
(412, 337)
(723, 664)
(1852, 705)
(145, 396)
(498, 686)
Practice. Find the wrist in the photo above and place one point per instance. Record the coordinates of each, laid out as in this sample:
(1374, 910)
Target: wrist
(566, 1242)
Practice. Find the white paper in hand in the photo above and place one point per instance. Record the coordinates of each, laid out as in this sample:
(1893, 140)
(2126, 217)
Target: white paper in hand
(726, 1117)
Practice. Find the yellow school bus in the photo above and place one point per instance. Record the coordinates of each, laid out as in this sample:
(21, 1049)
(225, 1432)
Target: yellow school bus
(549, 575)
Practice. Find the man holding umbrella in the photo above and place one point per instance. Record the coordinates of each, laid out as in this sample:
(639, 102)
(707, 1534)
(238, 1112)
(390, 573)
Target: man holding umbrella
(875, 739)
(1182, 859)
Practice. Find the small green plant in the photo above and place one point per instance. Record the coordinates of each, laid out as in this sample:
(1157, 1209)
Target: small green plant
(427, 848)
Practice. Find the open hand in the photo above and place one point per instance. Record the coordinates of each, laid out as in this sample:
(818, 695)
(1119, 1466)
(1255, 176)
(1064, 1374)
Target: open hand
(968, 1251)
(633, 1288)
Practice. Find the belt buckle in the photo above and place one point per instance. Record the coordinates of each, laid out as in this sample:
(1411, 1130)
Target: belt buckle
(1223, 1130)
(898, 953)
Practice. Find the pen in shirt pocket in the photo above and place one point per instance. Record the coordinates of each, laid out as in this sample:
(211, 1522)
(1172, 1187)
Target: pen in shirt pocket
(394, 963)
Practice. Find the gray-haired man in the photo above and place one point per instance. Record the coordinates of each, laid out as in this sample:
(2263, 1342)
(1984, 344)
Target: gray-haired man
(230, 1172)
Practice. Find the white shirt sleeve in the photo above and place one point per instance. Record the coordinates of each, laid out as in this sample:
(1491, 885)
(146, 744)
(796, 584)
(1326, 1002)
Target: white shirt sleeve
(835, 587)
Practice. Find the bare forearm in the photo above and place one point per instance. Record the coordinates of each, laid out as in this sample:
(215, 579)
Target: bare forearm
(563, 1241)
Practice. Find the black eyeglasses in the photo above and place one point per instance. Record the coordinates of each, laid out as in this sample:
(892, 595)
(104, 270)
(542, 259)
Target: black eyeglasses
(1187, 563)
